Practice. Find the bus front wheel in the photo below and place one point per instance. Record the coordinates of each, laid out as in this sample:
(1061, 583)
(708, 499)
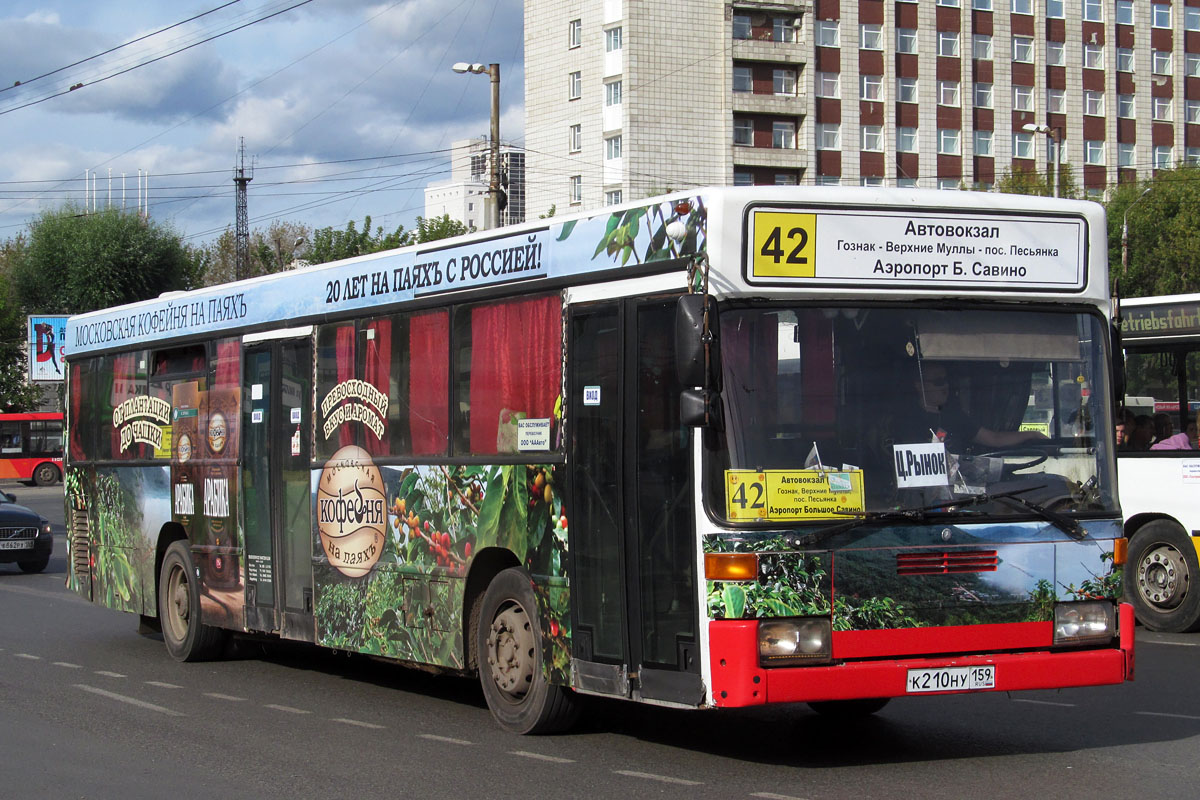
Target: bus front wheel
(511, 668)
(1162, 579)
(186, 637)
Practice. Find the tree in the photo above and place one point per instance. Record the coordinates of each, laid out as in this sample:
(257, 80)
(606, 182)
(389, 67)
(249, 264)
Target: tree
(1029, 181)
(78, 262)
(274, 250)
(16, 392)
(333, 245)
(1163, 217)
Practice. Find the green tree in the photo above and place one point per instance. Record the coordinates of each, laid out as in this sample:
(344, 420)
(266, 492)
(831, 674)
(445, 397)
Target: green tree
(1030, 181)
(333, 245)
(443, 227)
(1163, 216)
(78, 262)
(272, 250)
(16, 392)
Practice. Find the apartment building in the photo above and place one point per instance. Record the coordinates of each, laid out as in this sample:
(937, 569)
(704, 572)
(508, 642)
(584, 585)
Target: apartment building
(624, 98)
(464, 196)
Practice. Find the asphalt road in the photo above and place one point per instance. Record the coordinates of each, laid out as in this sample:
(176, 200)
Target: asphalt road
(92, 709)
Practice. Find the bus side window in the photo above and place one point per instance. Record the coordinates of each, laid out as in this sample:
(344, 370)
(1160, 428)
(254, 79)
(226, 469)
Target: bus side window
(10, 437)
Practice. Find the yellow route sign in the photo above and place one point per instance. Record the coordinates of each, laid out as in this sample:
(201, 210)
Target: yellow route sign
(779, 495)
(784, 245)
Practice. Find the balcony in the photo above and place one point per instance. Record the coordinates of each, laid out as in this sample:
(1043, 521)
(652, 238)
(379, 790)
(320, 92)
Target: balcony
(784, 104)
(777, 158)
(766, 50)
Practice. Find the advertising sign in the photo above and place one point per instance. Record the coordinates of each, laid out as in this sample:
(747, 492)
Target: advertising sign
(47, 342)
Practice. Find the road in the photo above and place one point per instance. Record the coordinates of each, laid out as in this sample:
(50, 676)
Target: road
(93, 709)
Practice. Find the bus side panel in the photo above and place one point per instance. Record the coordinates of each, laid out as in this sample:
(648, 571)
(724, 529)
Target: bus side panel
(408, 603)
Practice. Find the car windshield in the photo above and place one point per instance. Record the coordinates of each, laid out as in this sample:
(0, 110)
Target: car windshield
(831, 411)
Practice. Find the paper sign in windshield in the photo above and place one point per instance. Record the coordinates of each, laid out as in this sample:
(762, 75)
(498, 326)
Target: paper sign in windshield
(771, 495)
(920, 465)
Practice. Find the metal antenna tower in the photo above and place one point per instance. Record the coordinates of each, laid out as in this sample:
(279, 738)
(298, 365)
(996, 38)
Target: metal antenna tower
(241, 177)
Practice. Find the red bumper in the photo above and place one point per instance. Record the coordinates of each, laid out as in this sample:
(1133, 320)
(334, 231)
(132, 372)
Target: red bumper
(738, 680)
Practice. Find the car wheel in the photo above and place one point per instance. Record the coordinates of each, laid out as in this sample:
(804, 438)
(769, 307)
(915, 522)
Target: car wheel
(36, 565)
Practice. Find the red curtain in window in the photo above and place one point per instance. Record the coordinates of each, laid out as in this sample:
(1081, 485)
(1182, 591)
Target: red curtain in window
(76, 421)
(377, 371)
(516, 364)
(345, 371)
(122, 389)
(428, 377)
(228, 366)
(816, 359)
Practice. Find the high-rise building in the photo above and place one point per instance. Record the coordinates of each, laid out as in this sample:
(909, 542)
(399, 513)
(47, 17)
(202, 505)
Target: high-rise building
(464, 196)
(624, 99)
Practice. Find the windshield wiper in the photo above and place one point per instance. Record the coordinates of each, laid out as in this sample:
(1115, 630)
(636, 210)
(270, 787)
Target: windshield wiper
(1063, 523)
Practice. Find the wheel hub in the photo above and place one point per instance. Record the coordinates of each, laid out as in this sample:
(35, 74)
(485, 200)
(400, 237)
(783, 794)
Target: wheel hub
(511, 651)
(1162, 577)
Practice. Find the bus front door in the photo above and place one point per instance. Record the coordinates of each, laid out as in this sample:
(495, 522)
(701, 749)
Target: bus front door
(275, 477)
(632, 536)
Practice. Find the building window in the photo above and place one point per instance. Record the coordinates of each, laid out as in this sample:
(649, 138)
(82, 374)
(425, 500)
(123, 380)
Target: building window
(575, 188)
(981, 5)
(743, 132)
(783, 135)
(827, 33)
(871, 138)
(1124, 59)
(1056, 54)
(743, 79)
(1022, 7)
(983, 95)
(742, 178)
(947, 93)
(612, 198)
(983, 143)
(949, 184)
(612, 148)
(870, 181)
(574, 85)
(782, 30)
(1056, 101)
(741, 26)
(870, 87)
(829, 84)
(1022, 145)
(784, 81)
(1161, 108)
(981, 47)
(1093, 11)
(612, 93)
(1093, 56)
(949, 141)
(1022, 49)
(785, 179)
(1124, 12)
(951, 3)
(574, 33)
(1160, 62)
(1160, 15)
(613, 41)
(829, 136)
(906, 183)
(1022, 98)
(1164, 156)
(1125, 154)
(831, 180)
(906, 40)
(1191, 109)
(1192, 155)
(1125, 106)
(575, 139)
(906, 140)
(1093, 152)
(906, 90)
(1054, 9)
(1191, 65)
(947, 44)
(1191, 18)
(870, 37)
(1093, 103)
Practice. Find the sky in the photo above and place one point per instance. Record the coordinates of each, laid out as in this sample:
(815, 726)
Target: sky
(346, 108)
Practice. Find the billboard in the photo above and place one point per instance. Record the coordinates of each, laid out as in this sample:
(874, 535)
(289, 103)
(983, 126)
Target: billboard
(47, 341)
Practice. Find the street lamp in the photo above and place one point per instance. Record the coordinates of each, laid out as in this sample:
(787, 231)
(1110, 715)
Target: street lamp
(1125, 229)
(1053, 134)
(494, 179)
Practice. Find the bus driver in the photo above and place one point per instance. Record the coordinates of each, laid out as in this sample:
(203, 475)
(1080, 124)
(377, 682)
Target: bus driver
(938, 416)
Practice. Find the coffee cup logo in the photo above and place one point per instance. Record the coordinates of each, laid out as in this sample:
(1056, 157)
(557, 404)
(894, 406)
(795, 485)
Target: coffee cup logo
(185, 448)
(351, 517)
(217, 431)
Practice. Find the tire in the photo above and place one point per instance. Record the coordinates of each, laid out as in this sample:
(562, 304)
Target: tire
(186, 637)
(508, 642)
(45, 475)
(1162, 579)
(849, 709)
(36, 565)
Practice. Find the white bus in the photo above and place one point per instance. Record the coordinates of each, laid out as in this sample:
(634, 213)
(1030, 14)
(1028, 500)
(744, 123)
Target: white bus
(1160, 464)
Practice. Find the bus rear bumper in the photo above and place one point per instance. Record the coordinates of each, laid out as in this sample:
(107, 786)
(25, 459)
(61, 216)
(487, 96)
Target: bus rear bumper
(738, 680)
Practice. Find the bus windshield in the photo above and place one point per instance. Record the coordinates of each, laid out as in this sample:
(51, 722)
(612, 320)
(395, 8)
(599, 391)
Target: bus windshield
(837, 410)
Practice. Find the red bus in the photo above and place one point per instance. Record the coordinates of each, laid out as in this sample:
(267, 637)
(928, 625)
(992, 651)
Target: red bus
(31, 447)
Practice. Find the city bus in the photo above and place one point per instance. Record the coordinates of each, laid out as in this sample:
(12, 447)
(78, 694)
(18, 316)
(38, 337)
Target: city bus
(722, 448)
(31, 447)
(1159, 465)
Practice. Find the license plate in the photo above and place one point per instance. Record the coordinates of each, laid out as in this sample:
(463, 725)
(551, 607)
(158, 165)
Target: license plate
(951, 679)
(16, 544)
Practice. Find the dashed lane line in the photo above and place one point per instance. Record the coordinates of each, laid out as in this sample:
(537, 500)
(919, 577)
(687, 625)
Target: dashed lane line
(358, 723)
(162, 685)
(650, 776)
(1043, 702)
(133, 701)
(541, 757)
(108, 674)
(28, 656)
(67, 665)
(773, 796)
(218, 696)
(288, 709)
(1165, 714)
(446, 739)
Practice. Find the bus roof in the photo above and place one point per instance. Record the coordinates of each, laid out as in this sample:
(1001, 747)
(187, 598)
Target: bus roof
(905, 242)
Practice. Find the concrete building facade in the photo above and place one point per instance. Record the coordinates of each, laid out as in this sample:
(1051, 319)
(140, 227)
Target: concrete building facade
(464, 196)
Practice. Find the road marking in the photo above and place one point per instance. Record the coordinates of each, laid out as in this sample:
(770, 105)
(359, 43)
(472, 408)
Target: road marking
(28, 656)
(540, 757)
(108, 674)
(773, 796)
(650, 776)
(219, 696)
(1043, 703)
(162, 685)
(445, 739)
(359, 724)
(288, 709)
(1174, 644)
(133, 701)
(1164, 714)
(67, 664)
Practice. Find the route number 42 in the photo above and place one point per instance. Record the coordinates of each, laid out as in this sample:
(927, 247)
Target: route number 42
(773, 248)
(784, 245)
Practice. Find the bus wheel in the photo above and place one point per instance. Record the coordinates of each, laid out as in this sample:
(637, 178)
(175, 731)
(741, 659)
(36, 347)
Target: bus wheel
(45, 475)
(187, 639)
(846, 709)
(1158, 578)
(509, 644)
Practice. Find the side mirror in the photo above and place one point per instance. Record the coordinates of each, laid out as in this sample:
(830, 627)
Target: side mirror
(12, 498)
(691, 342)
(700, 409)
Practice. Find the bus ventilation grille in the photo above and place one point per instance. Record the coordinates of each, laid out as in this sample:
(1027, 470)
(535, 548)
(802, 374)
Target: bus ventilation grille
(79, 541)
(944, 563)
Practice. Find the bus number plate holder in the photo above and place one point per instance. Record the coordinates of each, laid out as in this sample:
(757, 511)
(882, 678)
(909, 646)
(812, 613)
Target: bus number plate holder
(951, 679)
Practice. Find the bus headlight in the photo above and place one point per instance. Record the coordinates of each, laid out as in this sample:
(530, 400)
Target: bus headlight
(1088, 622)
(790, 642)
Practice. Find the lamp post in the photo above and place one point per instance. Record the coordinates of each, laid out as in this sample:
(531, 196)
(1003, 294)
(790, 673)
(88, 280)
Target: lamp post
(494, 178)
(1125, 229)
(1053, 134)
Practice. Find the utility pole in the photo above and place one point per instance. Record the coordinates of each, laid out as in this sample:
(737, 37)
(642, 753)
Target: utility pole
(241, 177)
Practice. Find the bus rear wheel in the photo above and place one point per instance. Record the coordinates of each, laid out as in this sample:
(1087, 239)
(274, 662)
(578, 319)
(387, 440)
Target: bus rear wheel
(45, 475)
(186, 637)
(1162, 578)
(512, 672)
